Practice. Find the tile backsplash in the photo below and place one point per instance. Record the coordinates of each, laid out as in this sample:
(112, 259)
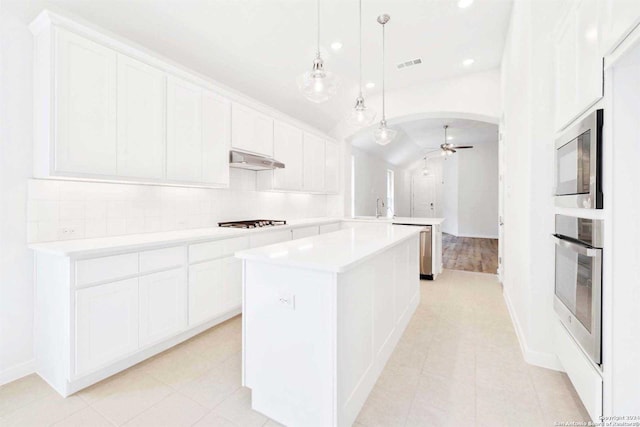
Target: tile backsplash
(60, 210)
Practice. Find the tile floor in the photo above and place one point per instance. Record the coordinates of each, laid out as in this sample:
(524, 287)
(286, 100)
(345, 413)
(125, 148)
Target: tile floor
(458, 364)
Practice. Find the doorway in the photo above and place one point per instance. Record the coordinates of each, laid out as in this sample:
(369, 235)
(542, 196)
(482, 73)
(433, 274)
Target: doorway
(423, 196)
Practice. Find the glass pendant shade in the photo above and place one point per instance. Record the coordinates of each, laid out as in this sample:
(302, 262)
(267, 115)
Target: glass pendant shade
(318, 85)
(361, 115)
(384, 135)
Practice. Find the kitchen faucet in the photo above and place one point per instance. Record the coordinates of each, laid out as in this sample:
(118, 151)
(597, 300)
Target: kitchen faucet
(377, 210)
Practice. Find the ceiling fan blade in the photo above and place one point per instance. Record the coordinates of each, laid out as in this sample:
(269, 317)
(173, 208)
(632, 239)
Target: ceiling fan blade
(452, 150)
(463, 146)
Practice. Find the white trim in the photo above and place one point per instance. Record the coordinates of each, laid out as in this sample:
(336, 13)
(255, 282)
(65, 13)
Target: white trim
(537, 358)
(473, 236)
(18, 371)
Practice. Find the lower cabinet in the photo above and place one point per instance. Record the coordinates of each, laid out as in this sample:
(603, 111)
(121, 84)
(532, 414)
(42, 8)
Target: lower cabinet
(328, 228)
(163, 311)
(299, 233)
(107, 319)
(215, 288)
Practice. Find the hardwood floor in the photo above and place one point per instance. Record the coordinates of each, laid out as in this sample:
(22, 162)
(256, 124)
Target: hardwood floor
(470, 254)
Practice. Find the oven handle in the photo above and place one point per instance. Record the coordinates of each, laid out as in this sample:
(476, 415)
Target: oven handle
(580, 249)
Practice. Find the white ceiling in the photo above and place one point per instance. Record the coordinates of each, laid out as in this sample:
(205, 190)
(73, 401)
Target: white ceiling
(259, 46)
(416, 138)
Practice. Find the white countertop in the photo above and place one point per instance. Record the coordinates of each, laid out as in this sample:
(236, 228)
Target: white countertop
(333, 252)
(132, 242)
(147, 240)
(398, 220)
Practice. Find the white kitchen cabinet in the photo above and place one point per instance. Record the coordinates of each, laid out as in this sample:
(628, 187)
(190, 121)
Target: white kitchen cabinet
(251, 130)
(328, 228)
(162, 305)
(216, 136)
(85, 104)
(205, 291)
(579, 65)
(299, 233)
(197, 134)
(231, 284)
(616, 19)
(314, 163)
(332, 168)
(106, 324)
(141, 120)
(269, 238)
(287, 148)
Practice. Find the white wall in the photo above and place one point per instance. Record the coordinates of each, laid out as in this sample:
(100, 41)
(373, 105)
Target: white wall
(478, 191)
(528, 134)
(93, 209)
(448, 187)
(474, 96)
(16, 284)
(371, 183)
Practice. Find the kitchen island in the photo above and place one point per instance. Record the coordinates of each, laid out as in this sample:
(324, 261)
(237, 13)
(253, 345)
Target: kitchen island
(321, 317)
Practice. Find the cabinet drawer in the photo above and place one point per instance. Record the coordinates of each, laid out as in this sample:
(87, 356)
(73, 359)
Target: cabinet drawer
(217, 249)
(264, 239)
(161, 259)
(328, 228)
(299, 233)
(107, 268)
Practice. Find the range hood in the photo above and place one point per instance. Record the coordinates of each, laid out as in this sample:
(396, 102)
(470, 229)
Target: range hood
(254, 162)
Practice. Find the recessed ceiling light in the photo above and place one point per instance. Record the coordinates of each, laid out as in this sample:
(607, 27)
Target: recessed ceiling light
(370, 85)
(468, 62)
(336, 45)
(463, 4)
(449, 138)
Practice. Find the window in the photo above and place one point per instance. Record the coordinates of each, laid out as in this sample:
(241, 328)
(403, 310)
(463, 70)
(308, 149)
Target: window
(391, 209)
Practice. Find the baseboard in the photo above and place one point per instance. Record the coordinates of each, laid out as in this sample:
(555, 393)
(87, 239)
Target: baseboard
(18, 371)
(537, 358)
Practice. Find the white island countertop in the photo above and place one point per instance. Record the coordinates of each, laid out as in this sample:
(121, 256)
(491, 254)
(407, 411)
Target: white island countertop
(334, 252)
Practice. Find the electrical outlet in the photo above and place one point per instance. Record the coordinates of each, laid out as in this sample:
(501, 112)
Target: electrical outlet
(287, 301)
(68, 231)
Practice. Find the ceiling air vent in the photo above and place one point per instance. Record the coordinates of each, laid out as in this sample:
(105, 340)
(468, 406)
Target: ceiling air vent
(409, 63)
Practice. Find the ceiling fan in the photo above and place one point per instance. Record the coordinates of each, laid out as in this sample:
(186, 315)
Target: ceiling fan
(448, 148)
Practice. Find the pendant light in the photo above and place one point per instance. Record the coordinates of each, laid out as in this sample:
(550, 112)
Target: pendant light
(318, 85)
(383, 135)
(360, 115)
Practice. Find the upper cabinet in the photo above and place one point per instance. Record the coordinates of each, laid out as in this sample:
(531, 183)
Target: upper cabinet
(617, 18)
(251, 130)
(141, 115)
(85, 102)
(105, 110)
(197, 134)
(287, 148)
(314, 163)
(579, 64)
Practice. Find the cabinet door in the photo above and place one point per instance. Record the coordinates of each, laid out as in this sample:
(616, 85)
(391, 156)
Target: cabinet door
(617, 18)
(590, 63)
(141, 113)
(216, 138)
(251, 131)
(329, 228)
(566, 74)
(85, 106)
(269, 238)
(184, 130)
(314, 163)
(205, 291)
(163, 309)
(232, 284)
(332, 168)
(106, 324)
(287, 148)
(299, 233)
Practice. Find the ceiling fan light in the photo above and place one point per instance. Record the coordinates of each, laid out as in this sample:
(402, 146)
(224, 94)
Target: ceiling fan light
(361, 115)
(384, 135)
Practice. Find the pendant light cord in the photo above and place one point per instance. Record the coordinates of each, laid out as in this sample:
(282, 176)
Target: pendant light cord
(383, 114)
(360, 29)
(318, 17)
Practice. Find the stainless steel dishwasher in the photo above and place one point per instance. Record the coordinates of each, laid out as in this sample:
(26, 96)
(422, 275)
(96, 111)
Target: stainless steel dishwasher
(426, 254)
